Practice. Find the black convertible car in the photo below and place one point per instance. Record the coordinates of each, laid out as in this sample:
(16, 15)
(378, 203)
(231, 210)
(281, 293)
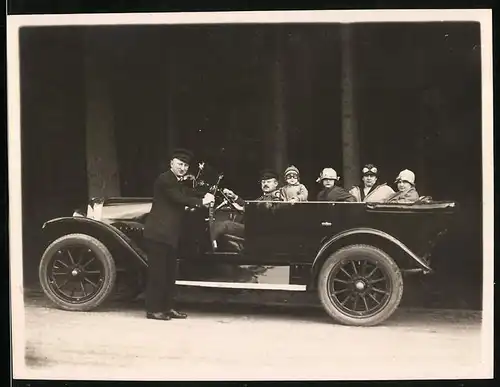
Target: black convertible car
(352, 254)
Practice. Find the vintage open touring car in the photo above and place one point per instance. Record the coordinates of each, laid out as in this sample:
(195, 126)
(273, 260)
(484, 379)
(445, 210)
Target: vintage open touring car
(353, 255)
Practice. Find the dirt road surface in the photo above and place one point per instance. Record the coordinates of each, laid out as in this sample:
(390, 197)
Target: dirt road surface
(242, 342)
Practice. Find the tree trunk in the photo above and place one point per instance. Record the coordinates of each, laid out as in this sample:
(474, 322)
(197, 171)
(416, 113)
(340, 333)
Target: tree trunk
(171, 129)
(350, 144)
(102, 163)
(280, 134)
(424, 109)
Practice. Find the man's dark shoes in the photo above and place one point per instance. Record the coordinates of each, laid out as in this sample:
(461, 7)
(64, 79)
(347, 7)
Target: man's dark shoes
(175, 314)
(158, 316)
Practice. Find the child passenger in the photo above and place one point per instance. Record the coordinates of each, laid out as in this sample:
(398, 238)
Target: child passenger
(293, 191)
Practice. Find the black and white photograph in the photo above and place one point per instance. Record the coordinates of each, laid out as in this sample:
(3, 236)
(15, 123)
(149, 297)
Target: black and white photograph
(279, 195)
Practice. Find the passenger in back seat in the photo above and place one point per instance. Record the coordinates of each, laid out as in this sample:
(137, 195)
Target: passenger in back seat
(407, 193)
(331, 192)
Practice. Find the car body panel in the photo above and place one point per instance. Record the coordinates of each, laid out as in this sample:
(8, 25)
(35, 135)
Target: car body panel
(294, 233)
(284, 244)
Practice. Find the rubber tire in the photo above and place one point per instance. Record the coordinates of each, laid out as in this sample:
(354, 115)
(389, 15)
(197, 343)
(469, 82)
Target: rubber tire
(102, 254)
(376, 255)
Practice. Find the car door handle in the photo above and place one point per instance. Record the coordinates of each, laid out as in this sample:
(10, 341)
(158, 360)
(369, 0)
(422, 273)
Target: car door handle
(326, 224)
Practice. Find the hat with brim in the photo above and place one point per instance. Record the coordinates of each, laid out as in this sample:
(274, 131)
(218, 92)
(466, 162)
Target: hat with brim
(329, 174)
(406, 175)
(267, 174)
(404, 181)
(183, 155)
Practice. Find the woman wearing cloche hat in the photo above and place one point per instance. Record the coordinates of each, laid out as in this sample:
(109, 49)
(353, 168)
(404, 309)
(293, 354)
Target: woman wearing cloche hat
(407, 192)
(330, 192)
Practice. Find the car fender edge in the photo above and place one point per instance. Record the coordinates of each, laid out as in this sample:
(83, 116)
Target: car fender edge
(370, 231)
(83, 224)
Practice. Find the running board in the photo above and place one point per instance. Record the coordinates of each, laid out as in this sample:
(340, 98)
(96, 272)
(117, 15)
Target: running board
(242, 285)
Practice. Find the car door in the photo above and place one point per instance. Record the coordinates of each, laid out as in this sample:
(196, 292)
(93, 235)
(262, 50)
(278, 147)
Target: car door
(291, 232)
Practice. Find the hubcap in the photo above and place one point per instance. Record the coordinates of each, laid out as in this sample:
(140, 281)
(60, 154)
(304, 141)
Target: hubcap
(360, 285)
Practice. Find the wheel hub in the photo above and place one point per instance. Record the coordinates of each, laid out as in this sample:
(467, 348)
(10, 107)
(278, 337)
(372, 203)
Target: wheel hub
(360, 285)
(75, 272)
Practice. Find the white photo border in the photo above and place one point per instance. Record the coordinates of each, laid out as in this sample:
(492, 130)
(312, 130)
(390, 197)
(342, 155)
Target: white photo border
(15, 22)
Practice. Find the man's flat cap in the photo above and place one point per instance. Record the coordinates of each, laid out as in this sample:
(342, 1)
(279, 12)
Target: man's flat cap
(182, 154)
(268, 174)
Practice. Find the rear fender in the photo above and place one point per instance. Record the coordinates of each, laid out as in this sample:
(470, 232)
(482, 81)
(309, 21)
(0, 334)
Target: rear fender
(121, 246)
(406, 259)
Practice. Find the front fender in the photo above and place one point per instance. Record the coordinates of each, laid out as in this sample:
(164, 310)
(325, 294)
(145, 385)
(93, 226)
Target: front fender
(119, 244)
(331, 243)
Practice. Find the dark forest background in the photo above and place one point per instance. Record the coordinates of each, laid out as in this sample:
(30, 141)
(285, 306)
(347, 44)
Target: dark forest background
(417, 99)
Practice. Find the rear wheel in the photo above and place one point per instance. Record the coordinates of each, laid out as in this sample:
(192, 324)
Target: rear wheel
(77, 272)
(360, 285)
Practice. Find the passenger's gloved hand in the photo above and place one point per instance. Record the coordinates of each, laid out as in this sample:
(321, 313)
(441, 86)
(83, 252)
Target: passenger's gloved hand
(208, 198)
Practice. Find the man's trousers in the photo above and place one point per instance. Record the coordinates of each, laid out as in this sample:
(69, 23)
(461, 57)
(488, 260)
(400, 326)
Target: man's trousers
(162, 273)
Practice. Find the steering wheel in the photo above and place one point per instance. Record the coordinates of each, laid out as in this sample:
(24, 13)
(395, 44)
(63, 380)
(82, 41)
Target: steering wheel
(200, 184)
(227, 201)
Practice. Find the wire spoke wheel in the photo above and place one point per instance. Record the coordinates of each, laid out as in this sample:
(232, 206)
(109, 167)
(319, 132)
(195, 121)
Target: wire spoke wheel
(77, 272)
(75, 280)
(360, 285)
(355, 293)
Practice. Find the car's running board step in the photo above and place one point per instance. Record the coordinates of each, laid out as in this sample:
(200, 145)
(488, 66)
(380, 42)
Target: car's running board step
(242, 285)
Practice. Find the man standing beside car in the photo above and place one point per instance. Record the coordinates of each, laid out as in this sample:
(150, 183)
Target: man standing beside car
(162, 231)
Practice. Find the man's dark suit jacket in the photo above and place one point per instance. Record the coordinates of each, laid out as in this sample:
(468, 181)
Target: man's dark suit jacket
(164, 222)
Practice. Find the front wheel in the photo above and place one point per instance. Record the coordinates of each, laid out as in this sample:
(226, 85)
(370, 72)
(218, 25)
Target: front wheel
(77, 272)
(360, 285)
